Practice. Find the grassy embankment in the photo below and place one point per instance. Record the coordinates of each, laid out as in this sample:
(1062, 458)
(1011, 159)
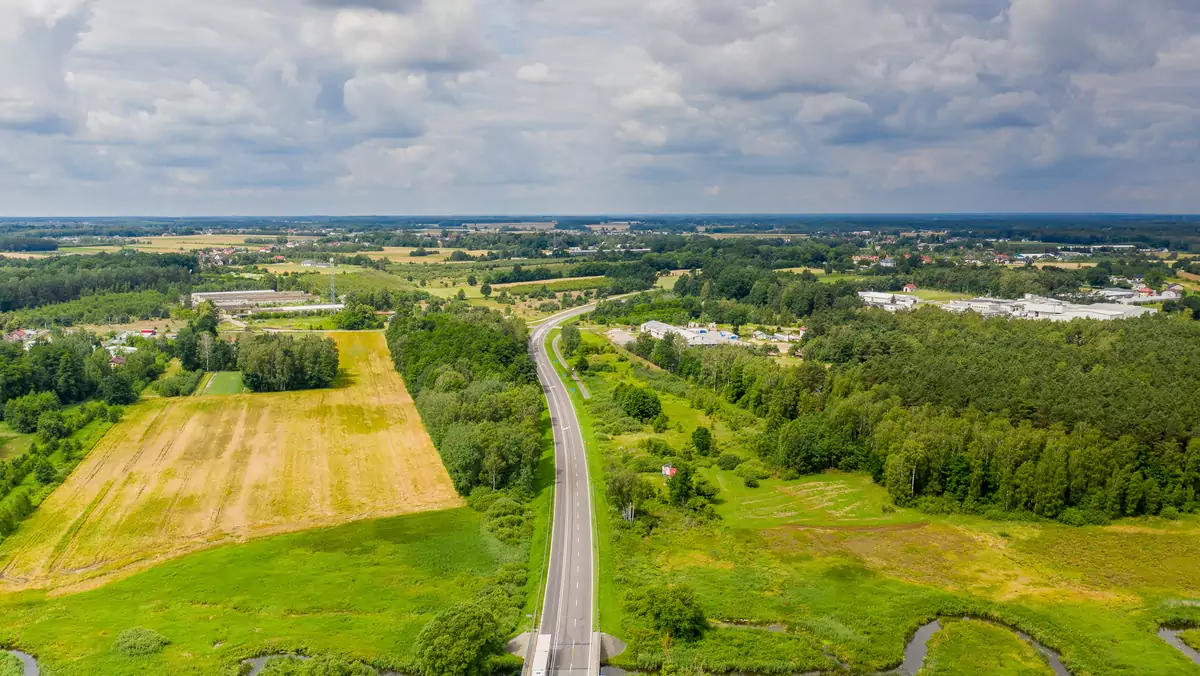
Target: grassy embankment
(364, 589)
(821, 556)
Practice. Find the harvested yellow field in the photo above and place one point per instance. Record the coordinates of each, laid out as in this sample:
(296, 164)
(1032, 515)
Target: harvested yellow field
(401, 254)
(183, 474)
(176, 243)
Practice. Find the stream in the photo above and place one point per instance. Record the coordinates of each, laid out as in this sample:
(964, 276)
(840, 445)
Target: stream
(257, 664)
(1172, 636)
(27, 661)
(914, 652)
(918, 647)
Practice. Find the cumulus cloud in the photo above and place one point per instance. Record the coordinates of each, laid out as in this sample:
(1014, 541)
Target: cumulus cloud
(536, 73)
(443, 105)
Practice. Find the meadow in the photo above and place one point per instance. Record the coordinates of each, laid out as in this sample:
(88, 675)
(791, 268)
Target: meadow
(179, 475)
(364, 590)
(850, 576)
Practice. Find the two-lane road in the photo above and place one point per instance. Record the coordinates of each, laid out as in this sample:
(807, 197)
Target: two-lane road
(569, 600)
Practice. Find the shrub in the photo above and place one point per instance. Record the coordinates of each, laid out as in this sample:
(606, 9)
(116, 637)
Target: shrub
(137, 642)
(660, 422)
(1169, 512)
(638, 402)
(179, 385)
(459, 641)
(1073, 516)
(753, 469)
(325, 665)
(671, 611)
(729, 461)
(750, 482)
(22, 413)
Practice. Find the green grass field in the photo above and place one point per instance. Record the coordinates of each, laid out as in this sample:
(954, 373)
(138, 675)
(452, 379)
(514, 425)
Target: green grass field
(821, 556)
(308, 323)
(364, 589)
(973, 647)
(554, 285)
(224, 382)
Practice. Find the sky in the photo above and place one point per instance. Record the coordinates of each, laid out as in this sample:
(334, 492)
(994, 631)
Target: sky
(272, 107)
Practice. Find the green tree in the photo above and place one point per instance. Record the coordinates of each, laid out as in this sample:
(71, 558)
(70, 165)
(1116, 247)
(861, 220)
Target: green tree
(22, 413)
(570, 339)
(44, 472)
(117, 388)
(459, 641)
(51, 425)
(660, 423)
(471, 280)
(357, 316)
(486, 290)
(673, 612)
(680, 488)
(628, 491)
(702, 441)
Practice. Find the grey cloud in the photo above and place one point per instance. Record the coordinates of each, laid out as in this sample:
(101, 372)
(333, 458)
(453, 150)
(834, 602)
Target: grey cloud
(398, 104)
(382, 5)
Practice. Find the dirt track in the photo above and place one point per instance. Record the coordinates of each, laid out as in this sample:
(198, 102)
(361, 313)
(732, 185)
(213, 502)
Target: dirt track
(184, 474)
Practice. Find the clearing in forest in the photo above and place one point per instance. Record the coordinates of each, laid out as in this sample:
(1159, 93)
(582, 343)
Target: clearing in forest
(178, 475)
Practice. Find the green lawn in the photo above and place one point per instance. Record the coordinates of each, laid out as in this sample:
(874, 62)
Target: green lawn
(310, 323)
(224, 382)
(364, 589)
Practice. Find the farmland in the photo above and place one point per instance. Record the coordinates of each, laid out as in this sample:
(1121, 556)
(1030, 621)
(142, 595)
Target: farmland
(179, 475)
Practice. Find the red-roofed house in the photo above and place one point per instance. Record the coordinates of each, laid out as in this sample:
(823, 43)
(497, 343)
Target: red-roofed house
(909, 288)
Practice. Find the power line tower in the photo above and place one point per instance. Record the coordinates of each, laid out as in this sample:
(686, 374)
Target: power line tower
(332, 282)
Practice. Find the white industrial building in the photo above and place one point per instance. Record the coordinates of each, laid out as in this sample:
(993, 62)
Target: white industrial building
(1039, 307)
(696, 336)
(889, 301)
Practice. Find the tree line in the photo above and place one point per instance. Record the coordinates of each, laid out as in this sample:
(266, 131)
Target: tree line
(1081, 422)
(36, 282)
(476, 389)
(268, 362)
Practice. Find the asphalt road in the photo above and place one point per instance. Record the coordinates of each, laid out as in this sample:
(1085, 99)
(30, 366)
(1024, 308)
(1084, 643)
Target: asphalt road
(569, 601)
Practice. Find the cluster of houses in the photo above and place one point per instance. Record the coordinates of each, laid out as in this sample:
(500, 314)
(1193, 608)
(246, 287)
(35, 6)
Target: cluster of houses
(118, 346)
(27, 337)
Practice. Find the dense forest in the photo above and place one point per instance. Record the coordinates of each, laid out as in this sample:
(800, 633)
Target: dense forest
(32, 283)
(19, 243)
(1082, 421)
(476, 389)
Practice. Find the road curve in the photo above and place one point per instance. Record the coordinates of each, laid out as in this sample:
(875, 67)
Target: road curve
(570, 599)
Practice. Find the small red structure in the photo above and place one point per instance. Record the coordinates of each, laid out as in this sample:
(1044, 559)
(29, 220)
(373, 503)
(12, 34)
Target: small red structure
(909, 288)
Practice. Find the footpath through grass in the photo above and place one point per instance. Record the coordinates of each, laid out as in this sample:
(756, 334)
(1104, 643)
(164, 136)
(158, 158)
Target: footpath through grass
(364, 590)
(846, 574)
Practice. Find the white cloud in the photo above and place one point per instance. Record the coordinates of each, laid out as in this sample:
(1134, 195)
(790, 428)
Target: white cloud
(536, 73)
(430, 105)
